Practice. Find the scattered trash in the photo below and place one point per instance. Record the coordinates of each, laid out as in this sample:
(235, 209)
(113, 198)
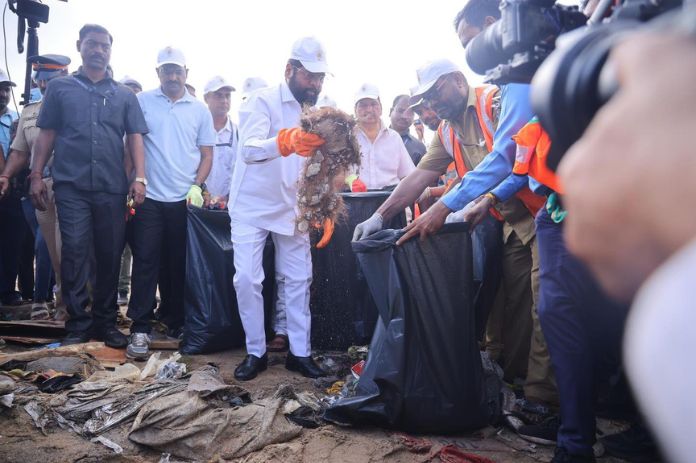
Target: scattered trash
(335, 388)
(357, 353)
(414, 444)
(164, 458)
(453, 454)
(108, 443)
(305, 417)
(357, 369)
(59, 382)
(7, 384)
(196, 424)
(127, 371)
(150, 368)
(171, 370)
(67, 365)
(6, 400)
(38, 414)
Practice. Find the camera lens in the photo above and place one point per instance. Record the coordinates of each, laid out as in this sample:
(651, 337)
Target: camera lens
(566, 90)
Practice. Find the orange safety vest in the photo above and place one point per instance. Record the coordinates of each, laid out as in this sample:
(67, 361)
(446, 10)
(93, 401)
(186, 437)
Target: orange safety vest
(533, 145)
(484, 111)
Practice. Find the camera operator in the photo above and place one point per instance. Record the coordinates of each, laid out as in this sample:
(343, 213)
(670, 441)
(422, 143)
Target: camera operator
(643, 142)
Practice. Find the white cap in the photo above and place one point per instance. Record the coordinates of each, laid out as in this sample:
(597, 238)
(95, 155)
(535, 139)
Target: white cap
(251, 84)
(366, 91)
(4, 78)
(430, 72)
(324, 101)
(216, 83)
(128, 80)
(311, 54)
(171, 55)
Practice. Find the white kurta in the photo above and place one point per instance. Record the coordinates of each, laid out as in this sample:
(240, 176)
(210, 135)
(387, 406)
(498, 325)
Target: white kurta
(263, 199)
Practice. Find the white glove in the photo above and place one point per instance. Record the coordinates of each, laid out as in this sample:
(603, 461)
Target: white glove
(368, 227)
(458, 216)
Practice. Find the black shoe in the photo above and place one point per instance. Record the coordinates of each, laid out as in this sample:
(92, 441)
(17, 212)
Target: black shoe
(250, 367)
(634, 444)
(112, 337)
(12, 300)
(543, 433)
(304, 366)
(78, 337)
(562, 456)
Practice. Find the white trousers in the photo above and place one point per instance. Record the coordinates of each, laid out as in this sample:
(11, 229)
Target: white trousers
(293, 263)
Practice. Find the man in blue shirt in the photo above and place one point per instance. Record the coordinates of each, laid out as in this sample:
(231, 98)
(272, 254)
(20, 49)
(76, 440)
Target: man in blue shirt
(178, 158)
(10, 208)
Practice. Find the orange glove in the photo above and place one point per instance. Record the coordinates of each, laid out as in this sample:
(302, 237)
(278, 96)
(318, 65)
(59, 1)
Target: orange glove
(355, 184)
(297, 141)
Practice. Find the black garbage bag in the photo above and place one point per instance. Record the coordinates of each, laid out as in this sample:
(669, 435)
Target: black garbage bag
(423, 373)
(343, 312)
(210, 303)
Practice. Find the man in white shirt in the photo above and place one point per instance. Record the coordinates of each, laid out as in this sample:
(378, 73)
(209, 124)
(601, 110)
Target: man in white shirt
(218, 96)
(178, 157)
(263, 200)
(384, 158)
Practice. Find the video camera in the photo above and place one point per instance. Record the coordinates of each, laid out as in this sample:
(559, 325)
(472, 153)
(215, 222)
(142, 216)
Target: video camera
(29, 14)
(562, 53)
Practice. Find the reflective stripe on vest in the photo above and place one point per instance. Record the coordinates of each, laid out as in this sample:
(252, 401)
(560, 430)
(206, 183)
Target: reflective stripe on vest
(533, 145)
(484, 111)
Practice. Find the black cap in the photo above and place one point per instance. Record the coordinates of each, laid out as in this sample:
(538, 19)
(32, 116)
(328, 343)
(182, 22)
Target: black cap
(49, 66)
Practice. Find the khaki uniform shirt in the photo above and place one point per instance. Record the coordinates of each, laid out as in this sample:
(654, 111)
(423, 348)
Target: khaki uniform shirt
(473, 145)
(27, 131)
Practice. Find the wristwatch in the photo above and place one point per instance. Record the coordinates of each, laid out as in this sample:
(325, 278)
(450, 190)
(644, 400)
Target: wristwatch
(142, 180)
(203, 186)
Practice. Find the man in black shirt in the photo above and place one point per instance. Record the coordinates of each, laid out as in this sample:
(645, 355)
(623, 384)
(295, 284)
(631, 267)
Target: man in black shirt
(83, 120)
(401, 119)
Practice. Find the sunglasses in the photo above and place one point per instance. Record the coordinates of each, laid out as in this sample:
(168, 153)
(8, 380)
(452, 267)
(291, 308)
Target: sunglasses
(433, 94)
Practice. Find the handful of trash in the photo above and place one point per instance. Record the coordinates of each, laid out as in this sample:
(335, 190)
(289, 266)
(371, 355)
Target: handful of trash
(318, 200)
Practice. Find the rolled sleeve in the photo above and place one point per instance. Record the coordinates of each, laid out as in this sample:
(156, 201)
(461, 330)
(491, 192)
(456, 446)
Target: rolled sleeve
(515, 112)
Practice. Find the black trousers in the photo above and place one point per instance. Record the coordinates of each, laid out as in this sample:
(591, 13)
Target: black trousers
(90, 221)
(159, 231)
(13, 230)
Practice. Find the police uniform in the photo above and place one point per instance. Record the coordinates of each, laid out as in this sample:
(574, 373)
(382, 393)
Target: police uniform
(45, 67)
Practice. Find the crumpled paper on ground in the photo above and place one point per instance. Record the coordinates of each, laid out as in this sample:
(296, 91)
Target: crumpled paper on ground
(199, 423)
(92, 408)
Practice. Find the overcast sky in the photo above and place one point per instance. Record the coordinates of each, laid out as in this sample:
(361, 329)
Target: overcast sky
(376, 41)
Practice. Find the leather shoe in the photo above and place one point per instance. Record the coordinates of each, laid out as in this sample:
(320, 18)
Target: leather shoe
(112, 337)
(304, 366)
(77, 337)
(250, 367)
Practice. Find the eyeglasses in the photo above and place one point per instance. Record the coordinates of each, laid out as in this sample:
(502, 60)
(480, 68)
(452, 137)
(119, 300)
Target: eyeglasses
(433, 94)
(310, 76)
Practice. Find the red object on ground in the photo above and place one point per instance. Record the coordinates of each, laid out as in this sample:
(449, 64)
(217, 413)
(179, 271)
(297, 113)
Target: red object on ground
(357, 369)
(453, 454)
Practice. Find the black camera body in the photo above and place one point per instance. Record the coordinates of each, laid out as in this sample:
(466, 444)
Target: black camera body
(562, 55)
(512, 49)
